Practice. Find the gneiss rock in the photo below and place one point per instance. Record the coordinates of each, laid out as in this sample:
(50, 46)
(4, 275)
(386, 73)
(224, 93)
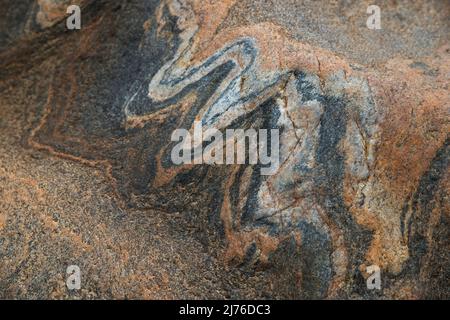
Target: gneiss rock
(362, 116)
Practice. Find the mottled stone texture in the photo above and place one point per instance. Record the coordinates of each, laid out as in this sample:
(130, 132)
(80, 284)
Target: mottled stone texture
(86, 176)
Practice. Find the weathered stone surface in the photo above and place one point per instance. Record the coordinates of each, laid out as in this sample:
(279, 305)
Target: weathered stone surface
(86, 177)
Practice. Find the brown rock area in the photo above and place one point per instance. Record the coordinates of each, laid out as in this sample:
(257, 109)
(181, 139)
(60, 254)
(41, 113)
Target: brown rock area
(86, 176)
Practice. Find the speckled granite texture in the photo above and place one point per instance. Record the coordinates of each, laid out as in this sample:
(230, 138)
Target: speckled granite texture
(86, 177)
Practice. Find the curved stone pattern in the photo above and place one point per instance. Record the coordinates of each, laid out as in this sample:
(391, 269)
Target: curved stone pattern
(364, 148)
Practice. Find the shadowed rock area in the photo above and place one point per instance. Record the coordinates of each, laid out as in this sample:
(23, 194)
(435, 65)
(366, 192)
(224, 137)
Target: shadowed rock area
(87, 179)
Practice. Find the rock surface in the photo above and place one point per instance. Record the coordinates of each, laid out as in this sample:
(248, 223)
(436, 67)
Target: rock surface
(86, 118)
